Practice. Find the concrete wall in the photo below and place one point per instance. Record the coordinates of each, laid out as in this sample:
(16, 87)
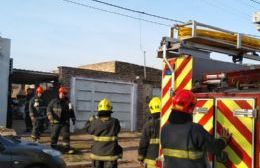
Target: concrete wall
(4, 78)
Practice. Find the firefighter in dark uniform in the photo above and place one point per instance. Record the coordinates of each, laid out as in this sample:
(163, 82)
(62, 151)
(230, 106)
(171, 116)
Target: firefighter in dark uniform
(148, 150)
(27, 119)
(185, 144)
(59, 112)
(105, 129)
(37, 111)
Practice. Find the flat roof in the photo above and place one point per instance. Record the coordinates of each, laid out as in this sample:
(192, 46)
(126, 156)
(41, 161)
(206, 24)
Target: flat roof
(22, 76)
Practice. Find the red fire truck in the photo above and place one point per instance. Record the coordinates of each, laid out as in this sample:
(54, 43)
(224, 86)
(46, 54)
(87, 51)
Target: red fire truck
(225, 99)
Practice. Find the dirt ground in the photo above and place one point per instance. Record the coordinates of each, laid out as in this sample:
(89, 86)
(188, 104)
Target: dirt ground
(81, 142)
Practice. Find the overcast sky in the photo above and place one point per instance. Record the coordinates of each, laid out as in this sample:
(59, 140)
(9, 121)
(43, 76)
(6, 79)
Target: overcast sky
(46, 34)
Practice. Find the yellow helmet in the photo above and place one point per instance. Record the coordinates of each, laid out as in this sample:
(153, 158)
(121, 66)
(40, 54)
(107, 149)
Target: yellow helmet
(155, 105)
(104, 105)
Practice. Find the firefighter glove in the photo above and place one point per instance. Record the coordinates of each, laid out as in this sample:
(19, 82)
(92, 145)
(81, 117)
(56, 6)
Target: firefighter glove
(73, 121)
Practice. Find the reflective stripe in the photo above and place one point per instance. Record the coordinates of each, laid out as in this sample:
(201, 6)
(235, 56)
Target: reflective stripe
(154, 141)
(104, 138)
(103, 158)
(150, 163)
(65, 144)
(55, 121)
(183, 154)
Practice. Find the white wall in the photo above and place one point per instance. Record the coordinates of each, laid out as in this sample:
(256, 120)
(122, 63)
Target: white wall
(4, 76)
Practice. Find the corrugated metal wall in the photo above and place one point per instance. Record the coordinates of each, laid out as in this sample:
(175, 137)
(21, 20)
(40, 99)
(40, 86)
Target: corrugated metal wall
(86, 93)
(4, 78)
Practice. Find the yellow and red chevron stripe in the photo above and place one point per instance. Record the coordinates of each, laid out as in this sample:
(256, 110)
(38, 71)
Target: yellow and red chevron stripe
(182, 67)
(240, 148)
(205, 119)
(183, 73)
(166, 86)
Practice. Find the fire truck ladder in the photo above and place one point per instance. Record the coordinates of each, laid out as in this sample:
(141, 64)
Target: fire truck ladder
(193, 38)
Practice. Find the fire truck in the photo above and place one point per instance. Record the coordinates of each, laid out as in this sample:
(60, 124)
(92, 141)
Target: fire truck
(224, 99)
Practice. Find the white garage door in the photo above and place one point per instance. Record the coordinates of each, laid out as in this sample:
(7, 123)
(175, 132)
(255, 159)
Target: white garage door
(86, 93)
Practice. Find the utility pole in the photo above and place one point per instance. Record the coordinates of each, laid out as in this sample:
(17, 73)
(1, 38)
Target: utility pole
(256, 20)
(144, 65)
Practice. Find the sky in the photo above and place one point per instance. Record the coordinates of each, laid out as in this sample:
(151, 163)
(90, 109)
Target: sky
(46, 34)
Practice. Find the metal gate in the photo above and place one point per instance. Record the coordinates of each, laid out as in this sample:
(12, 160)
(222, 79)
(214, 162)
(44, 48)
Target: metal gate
(86, 93)
(238, 116)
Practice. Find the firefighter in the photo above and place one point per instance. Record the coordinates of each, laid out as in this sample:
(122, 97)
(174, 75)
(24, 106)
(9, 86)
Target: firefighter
(59, 112)
(37, 111)
(149, 144)
(185, 144)
(27, 119)
(105, 129)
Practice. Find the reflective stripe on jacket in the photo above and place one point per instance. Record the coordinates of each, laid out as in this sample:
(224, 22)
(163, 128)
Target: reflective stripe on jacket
(105, 135)
(186, 145)
(148, 150)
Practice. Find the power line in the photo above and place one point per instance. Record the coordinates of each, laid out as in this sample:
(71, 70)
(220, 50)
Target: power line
(216, 5)
(140, 12)
(255, 1)
(247, 4)
(234, 8)
(116, 13)
(128, 16)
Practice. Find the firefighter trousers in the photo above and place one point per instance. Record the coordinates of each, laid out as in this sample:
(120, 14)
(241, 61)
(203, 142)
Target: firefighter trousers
(56, 129)
(37, 128)
(28, 121)
(104, 164)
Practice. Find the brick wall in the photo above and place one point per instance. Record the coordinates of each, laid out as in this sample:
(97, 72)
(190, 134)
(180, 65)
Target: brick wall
(152, 74)
(104, 67)
(123, 68)
(145, 94)
(66, 74)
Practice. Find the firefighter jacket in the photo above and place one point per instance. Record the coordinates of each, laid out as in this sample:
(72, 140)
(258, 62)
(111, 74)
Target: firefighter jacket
(186, 145)
(105, 132)
(149, 144)
(37, 107)
(61, 111)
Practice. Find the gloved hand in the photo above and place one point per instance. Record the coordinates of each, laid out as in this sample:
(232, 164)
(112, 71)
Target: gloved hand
(224, 133)
(223, 157)
(74, 121)
(50, 118)
(33, 119)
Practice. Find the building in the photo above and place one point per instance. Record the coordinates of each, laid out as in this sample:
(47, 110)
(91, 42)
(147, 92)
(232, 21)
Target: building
(122, 83)
(4, 78)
